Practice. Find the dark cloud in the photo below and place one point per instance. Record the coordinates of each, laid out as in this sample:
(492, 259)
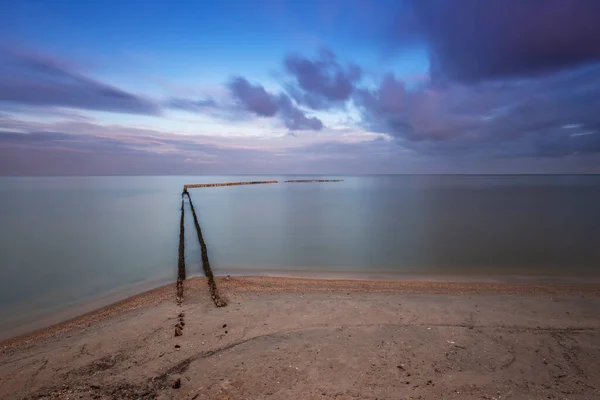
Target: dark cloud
(37, 80)
(322, 82)
(384, 109)
(547, 116)
(294, 118)
(473, 40)
(253, 98)
(256, 99)
(310, 100)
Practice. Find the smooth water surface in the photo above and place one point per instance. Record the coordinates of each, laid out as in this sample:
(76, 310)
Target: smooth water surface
(66, 240)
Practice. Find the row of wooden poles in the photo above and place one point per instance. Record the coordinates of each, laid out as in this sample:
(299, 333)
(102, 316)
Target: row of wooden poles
(181, 261)
(313, 180)
(212, 285)
(203, 185)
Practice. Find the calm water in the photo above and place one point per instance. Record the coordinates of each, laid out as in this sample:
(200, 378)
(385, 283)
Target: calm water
(66, 240)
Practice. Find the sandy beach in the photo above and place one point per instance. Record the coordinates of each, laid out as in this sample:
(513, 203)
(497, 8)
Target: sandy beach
(286, 338)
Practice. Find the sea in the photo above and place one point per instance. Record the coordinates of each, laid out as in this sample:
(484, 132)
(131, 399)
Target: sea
(68, 242)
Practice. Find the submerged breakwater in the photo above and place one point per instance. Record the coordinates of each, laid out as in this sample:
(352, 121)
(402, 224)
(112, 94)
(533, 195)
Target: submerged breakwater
(202, 185)
(313, 180)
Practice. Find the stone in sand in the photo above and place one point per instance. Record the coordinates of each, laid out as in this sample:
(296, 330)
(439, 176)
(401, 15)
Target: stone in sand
(177, 383)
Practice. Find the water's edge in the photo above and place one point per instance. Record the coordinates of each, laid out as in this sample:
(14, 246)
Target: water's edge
(94, 305)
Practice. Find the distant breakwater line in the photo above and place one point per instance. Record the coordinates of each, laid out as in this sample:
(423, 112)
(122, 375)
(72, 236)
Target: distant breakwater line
(313, 180)
(212, 285)
(201, 185)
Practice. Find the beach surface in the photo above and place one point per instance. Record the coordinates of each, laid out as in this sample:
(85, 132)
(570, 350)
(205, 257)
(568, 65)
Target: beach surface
(287, 338)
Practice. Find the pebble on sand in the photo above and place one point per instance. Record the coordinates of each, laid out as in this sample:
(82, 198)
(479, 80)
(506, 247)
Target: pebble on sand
(177, 383)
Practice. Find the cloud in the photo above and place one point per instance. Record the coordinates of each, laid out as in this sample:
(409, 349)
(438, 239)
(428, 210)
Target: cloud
(44, 152)
(502, 88)
(518, 118)
(322, 82)
(191, 105)
(383, 108)
(473, 40)
(36, 79)
(82, 148)
(255, 99)
(294, 118)
(57, 153)
(115, 150)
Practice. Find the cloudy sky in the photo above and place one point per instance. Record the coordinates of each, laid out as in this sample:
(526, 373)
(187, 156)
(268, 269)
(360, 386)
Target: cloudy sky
(274, 86)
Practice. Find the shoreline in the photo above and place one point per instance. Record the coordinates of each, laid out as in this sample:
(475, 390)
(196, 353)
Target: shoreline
(64, 313)
(115, 304)
(433, 276)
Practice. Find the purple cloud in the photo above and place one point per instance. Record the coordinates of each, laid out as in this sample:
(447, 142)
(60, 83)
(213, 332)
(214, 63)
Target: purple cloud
(294, 118)
(56, 153)
(37, 80)
(322, 82)
(383, 108)
(253, 98)
(256, 99)
(547, 116)
(44, 150)
(472, 40)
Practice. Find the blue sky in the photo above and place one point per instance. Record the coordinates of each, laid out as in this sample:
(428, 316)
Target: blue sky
(169, 87)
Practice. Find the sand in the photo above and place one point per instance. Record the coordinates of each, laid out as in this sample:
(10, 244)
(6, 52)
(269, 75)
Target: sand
(282, 338)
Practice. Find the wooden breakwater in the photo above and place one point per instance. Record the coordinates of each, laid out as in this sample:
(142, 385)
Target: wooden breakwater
(219, 302)
(313, 180)
(203, 185)
(181, 261)
(212, 285)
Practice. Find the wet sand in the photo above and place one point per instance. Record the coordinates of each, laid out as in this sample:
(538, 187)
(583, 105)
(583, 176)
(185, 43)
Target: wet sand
(285, 338)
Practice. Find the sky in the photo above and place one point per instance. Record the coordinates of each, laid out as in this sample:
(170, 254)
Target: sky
(299, 87)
